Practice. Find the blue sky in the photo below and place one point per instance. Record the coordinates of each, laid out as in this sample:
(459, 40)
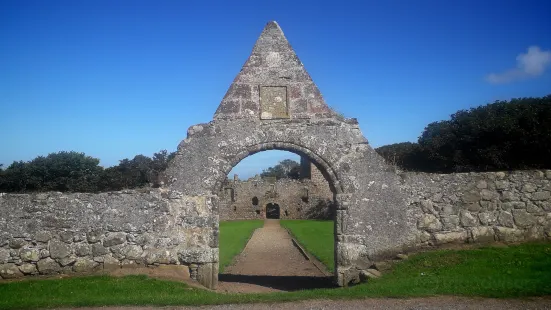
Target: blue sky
(114, 79)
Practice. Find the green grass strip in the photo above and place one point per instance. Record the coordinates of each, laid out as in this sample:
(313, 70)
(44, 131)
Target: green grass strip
(316, 237)
(233, 238)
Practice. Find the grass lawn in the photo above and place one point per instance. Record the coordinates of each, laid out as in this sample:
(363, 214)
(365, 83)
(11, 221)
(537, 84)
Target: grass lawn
(316, 237)
(233, 238)
(515, 271)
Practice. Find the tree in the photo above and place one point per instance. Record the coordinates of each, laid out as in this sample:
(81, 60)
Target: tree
(62, 171)
(513, 134)
(137, 172)
(76, 172)
(406, 155)
(503, 135)
(285, 169)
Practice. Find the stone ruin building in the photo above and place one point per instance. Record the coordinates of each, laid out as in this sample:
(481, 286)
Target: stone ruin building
(272, 104)
(258, 198)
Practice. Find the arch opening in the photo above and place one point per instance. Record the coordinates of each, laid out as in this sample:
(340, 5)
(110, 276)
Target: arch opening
(298, 195)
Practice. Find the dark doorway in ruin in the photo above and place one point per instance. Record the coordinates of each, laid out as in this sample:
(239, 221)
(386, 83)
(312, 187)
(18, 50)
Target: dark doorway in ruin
(272, 211)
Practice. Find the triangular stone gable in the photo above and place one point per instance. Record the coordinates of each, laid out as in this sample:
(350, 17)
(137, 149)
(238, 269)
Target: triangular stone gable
(273, 84)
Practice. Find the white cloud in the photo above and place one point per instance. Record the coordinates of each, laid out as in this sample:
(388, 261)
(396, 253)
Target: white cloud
(530, 64)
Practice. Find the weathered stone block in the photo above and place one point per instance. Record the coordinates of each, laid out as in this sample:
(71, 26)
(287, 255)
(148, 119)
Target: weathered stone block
(110, 263)
(59, 249)
(43, 236)
(83, 249)
(450, 222)
(543, 195)
(160, 257)
(28, 268)
(449, 209)
(67, 260)
(4, 256)
(545, 205)
(98, 249)
(429, 222)
(449, 237)
(132, 252)
(534, 209)
(10, 271)
(44, 253)
(523, 218)
(48, 266)
(482, 234)
(83, 264)
(427, 207)
(468, 220)
(488, 218)
(423, 237)
(143, 239)
(471, 197)
(534, 233)
(94, 235)
(474, 207)
(29, 255)
(509, 196)
(513, 205)
(17, 243)
(509, 234)
(382, 266)
(505, 219)
(481, 184)
(489, 205)
(488, 194)
(114, 239)
(207, 275)
(373, 272)
(529, 188)
(502, 185)
(66, 236)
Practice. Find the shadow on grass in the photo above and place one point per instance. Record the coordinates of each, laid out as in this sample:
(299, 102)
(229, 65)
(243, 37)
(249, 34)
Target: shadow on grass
(284, 283)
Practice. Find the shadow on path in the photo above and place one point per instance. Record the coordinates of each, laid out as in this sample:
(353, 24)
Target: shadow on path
(281, 283)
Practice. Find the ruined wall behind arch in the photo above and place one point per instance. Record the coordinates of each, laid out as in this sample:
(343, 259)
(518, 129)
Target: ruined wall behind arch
(298, 199)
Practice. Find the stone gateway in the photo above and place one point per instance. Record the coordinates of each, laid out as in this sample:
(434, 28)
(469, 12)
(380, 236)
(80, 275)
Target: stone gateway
(272, 104)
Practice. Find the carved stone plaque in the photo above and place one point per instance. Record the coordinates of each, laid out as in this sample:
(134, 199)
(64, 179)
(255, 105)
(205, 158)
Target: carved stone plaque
(273, 102)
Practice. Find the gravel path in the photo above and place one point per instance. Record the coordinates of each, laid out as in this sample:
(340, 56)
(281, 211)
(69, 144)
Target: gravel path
(389, 303)
(270, 262)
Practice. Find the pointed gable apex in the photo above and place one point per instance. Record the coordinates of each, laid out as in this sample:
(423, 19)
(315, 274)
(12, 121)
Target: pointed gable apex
(273, 84)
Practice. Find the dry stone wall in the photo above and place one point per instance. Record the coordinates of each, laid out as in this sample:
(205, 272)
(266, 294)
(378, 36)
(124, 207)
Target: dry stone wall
(51, 233)
(480, 207)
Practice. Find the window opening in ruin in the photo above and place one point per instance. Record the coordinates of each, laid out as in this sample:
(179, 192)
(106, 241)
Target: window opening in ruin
(255, 201)
(230, 193)
(286, 213)
(234, 208)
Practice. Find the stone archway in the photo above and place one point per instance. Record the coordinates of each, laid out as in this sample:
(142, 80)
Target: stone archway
(274, 104)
